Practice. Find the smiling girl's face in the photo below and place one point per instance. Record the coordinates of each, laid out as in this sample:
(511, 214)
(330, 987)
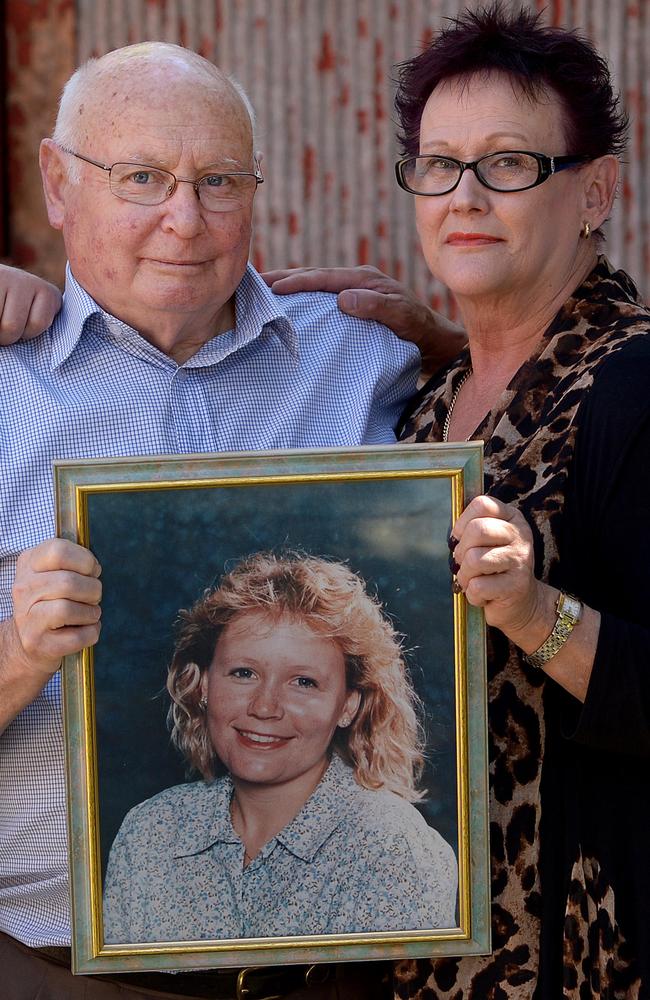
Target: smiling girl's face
(276, 692)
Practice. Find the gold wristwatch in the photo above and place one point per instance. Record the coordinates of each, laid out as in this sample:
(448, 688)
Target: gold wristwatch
(569, 613)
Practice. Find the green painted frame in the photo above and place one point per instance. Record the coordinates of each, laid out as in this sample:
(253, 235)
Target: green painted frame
(75, 482)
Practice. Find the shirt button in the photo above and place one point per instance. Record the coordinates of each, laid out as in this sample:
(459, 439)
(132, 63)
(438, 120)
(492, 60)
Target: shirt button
(181, 374)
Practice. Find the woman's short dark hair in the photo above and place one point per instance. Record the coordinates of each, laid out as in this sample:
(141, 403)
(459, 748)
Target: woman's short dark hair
(538, 58)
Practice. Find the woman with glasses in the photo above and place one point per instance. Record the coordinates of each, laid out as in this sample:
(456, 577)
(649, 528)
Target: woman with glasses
(510, 133)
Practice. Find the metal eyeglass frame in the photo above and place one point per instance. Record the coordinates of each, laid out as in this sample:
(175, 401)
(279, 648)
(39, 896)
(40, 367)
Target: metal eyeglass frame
(548, 165)
(257, 174)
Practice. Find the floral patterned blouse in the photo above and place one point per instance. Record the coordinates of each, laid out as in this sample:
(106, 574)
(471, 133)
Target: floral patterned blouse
(353, 859)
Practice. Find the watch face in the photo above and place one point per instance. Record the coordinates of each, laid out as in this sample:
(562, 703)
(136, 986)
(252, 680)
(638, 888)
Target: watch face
(569, 613)
(570, 607)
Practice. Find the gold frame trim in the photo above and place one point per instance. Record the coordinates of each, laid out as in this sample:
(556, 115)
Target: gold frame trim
(267, 946)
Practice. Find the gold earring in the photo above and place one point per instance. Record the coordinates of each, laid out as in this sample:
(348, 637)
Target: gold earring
(585, 232)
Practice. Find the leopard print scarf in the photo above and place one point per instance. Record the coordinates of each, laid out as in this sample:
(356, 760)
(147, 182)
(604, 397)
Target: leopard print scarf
(529, 444)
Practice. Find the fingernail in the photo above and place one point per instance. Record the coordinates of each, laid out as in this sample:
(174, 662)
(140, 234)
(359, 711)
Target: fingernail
(349, 300)
(454, 566)
(452, 542)
(456, 587)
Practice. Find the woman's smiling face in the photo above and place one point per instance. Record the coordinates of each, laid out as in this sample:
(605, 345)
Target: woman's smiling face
(485, 243)
(276, 692)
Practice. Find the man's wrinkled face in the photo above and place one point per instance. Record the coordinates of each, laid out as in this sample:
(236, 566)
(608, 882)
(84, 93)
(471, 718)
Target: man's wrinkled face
(143, 262)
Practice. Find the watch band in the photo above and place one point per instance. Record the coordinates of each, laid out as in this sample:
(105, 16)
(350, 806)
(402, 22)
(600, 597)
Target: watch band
(569, 613)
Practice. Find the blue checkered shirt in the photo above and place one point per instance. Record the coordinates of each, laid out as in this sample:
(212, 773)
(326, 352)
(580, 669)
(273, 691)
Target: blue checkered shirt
(295, 372)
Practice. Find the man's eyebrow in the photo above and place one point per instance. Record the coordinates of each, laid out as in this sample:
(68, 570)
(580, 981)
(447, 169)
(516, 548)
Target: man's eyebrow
(224, 162)
(145, 160)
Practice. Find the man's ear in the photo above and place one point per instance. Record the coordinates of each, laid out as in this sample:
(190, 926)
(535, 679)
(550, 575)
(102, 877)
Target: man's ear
(600, 189)
(54, 174)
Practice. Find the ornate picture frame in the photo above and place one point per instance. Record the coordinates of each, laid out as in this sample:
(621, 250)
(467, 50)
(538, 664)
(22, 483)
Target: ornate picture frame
(165, 531)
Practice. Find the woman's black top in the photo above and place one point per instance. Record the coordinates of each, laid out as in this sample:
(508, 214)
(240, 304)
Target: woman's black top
(569, 443)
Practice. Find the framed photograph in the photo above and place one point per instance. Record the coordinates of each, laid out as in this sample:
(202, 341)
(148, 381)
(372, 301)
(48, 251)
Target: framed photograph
(276, 752)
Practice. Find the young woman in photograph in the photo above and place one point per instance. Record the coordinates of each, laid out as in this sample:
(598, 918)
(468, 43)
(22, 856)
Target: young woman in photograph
(290, 696)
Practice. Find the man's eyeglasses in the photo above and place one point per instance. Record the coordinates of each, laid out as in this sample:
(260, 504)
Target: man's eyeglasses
(511, 170)
(147, 185)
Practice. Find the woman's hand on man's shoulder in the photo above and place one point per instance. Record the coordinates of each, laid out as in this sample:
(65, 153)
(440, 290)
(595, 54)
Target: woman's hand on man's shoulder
(28, 304)
(368, 293)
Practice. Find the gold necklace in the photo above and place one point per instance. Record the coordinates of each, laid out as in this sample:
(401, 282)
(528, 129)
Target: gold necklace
(445, 426)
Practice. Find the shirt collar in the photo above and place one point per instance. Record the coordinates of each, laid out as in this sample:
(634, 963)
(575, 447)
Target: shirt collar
(304, 836)
(322, 812)
(68, 325)
(258, 310)
(209, 820)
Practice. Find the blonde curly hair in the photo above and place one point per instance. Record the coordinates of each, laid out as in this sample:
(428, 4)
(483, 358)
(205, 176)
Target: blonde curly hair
(384, 743)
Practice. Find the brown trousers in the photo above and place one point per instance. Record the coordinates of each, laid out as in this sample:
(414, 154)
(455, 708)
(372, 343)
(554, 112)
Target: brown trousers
(27, 974)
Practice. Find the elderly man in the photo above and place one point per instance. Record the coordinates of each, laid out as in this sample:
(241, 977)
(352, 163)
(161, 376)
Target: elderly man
(167, 342)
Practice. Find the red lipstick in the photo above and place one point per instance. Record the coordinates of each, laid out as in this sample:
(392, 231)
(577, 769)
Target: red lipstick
(472, 239)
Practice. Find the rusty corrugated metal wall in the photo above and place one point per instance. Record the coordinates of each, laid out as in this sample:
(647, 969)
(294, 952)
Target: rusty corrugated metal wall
(318, 73)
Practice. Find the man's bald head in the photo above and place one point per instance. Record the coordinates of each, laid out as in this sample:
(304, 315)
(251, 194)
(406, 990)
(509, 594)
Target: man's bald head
(162, 115)
(150, 68)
